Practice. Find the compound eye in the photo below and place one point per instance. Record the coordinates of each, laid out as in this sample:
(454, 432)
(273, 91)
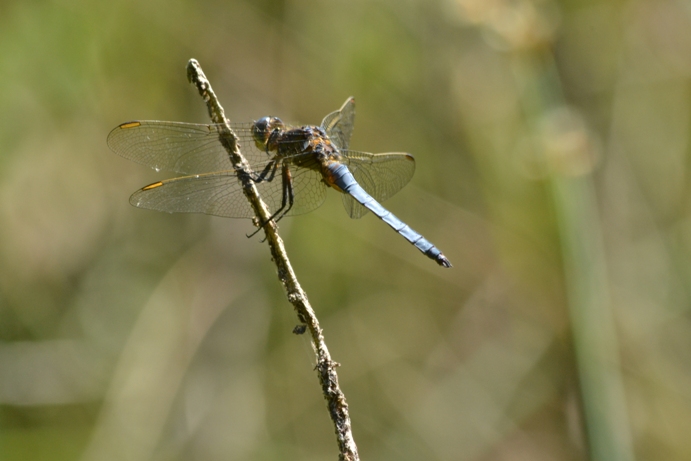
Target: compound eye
(261, 132)
(262, 129)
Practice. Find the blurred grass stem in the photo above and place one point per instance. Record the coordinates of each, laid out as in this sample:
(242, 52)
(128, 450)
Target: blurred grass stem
(590, 310)
(326, 368)
(592, 322)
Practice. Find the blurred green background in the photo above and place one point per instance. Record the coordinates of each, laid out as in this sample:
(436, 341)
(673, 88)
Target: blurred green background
(552, 147)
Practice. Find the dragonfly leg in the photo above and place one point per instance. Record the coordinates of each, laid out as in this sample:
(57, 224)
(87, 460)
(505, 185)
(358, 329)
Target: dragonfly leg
(288, 194)
(286, 202)
(271, 168)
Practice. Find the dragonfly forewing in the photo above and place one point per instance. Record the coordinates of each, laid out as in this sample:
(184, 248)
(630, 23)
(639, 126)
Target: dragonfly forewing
(338, 125)
(185, 148)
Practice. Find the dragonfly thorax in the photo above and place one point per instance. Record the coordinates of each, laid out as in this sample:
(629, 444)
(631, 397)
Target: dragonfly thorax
(307, 145)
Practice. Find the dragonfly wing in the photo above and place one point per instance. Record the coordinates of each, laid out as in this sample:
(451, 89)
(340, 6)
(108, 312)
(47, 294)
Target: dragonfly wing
(339, 124)
(309, 191)
(218, 194)
(381, 175)
(185, 148)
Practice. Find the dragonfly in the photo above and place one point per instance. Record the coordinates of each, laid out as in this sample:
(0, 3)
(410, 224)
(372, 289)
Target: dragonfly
(292, 168)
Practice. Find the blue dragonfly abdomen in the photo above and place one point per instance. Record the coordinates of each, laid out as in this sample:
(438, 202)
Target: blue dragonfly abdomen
(340, 176)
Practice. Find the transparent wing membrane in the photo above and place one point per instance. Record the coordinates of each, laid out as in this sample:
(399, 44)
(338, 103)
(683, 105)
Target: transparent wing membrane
(220, 194)
(381, 175)
(339, 124)
(185, 148)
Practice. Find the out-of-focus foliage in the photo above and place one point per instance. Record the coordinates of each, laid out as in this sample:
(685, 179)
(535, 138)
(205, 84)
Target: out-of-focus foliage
(552, 147)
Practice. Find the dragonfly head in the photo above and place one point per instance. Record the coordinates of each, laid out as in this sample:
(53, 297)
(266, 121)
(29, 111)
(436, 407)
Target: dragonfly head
(263, 129)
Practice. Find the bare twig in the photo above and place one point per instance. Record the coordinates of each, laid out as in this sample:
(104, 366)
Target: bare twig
(326, 368)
